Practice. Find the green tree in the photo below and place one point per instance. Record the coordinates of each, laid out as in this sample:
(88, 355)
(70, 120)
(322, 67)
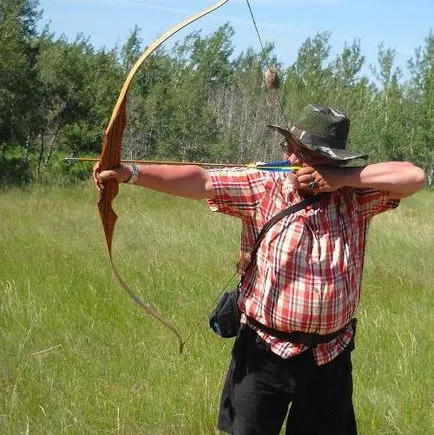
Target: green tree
(176, 91)
(352, 93)
(148, 100)
(246, 105)
(421, 101)
(389, 110)
(308, 80)
(27, 12)
(77, 92)
(18, 94)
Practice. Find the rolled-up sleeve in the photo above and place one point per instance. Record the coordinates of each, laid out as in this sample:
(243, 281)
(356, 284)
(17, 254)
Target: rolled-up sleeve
(372, 202)
(237, 192)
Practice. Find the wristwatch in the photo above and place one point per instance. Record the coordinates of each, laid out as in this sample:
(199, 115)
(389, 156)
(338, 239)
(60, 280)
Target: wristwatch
(134, 174)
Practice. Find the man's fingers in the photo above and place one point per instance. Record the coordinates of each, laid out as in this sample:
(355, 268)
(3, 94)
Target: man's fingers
(305, 170)
(106, 175)
(306, 179)
(100, 177)
(95, 176)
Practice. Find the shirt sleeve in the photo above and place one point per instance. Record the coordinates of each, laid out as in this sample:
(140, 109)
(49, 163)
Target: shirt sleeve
(238, 192)
(372, 202)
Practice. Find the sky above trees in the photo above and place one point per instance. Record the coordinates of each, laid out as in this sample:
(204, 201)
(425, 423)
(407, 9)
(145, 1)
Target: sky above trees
(401, 25)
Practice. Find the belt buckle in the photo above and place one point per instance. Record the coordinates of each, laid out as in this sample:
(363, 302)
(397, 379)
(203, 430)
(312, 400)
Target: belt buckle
(310, 340)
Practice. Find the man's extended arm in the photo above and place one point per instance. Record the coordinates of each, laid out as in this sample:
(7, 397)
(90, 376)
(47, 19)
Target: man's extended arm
(400, 179)
(187, 181)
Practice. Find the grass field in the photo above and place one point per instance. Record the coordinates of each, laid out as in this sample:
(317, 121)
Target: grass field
(77, 356)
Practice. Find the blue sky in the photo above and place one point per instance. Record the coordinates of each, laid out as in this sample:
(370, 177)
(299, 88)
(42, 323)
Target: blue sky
(400, 24)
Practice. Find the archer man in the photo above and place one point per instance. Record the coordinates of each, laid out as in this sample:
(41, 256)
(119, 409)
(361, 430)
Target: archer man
(292, 356)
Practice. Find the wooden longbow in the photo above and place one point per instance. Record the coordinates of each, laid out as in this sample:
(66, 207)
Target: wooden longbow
(111, 158)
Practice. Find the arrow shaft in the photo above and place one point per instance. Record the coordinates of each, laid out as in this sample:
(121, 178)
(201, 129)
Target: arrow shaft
(264, 167)
(154, 162)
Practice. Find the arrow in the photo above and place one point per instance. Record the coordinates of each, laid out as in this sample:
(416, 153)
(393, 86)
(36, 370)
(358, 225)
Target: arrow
(279, 166)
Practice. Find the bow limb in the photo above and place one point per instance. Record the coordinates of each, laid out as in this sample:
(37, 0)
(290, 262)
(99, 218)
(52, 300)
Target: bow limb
(111, 158)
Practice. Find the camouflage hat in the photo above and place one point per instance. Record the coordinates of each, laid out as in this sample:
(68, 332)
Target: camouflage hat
(322, 130)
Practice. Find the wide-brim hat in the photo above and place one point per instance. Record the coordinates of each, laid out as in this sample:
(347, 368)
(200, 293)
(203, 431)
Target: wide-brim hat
(322, 130)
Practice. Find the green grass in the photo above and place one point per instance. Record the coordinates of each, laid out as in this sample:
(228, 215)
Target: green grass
(77, 356)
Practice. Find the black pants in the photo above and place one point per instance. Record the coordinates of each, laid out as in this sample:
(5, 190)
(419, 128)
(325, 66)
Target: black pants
(260, 387)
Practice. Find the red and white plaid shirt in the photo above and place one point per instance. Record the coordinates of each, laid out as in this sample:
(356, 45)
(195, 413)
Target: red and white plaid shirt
(309, 266)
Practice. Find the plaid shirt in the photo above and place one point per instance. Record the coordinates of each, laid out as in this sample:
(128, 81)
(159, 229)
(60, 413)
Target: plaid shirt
(309, 266)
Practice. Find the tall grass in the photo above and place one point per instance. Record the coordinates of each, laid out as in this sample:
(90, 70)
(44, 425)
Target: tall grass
(77, 356)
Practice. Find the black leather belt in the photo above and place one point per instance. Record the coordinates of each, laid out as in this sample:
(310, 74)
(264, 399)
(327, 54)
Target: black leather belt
(297, 337)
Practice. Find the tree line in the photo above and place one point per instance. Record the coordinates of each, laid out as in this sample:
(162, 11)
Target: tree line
(197, 101)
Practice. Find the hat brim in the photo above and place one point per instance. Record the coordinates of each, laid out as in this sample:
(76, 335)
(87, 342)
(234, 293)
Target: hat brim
(335, 154)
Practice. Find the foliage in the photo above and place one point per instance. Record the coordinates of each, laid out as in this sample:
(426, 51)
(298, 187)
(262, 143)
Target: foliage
(18, 89)
(200, 100)
(14, 171)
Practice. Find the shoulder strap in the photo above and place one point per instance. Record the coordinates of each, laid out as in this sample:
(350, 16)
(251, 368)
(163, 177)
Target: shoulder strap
(279, 216)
